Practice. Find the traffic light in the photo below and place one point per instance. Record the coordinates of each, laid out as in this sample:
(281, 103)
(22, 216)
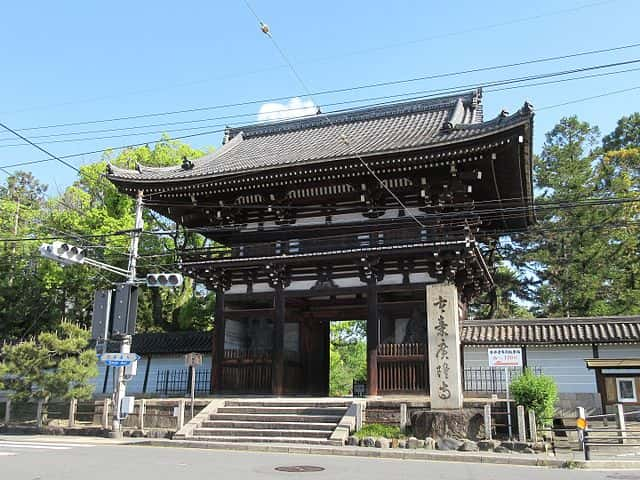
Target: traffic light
(125, 309)
(164, 280)
(62, 252)
(101, 313)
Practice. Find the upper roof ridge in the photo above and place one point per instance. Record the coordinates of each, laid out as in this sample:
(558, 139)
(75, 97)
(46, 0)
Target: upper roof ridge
(469, 99)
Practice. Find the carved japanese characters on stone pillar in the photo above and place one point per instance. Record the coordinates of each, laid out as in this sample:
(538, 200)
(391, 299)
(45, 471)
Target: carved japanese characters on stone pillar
(445, 376)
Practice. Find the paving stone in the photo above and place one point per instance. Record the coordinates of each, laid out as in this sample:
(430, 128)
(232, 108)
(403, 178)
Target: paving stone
(382, 443)
(468, 446)
(488, 445)
(368, 442)
(448, 443)
(414, 443)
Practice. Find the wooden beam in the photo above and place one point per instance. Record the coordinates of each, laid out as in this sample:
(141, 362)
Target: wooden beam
(373, 337)
(277, 373)
(218, 339)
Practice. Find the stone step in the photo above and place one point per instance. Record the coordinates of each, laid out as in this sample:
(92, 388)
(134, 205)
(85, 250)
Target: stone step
(284, 410)
(293, 440)
(287, 403)
(259, 432)
(275, 418)
(326, 426)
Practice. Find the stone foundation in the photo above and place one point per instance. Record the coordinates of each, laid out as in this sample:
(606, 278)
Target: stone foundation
(466, 423)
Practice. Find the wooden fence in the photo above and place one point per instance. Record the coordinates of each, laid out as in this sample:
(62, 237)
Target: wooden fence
(402, 367)
(250, 372)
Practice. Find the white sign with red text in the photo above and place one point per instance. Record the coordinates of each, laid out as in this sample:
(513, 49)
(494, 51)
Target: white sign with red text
(505, 357)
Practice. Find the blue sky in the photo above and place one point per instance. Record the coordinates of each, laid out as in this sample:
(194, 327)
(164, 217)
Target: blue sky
(72, 61)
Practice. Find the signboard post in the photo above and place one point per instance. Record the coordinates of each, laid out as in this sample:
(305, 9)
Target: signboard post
(193, 360)
(506, 358)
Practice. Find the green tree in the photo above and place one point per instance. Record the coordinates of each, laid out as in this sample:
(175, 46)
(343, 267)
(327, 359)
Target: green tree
(348, 356)
(54, 365)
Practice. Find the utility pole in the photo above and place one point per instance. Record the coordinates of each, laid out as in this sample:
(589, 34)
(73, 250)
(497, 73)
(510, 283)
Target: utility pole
(125, 340)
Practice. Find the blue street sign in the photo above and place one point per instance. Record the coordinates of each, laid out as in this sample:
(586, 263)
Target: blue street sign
(119, 359)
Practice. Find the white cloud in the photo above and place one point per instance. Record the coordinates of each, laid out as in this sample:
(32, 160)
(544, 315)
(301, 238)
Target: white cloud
(296, 107)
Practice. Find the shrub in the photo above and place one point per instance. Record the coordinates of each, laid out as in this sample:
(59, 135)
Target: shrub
(536, 392)
(376, 430)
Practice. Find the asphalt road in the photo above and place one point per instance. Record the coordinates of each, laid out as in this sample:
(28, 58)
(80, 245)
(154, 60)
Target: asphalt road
(33, 460)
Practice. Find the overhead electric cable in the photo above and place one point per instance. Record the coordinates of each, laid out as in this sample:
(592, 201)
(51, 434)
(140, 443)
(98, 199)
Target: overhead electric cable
(339, 90)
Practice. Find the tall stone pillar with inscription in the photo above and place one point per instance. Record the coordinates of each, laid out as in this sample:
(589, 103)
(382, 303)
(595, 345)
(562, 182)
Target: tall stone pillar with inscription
(443, 332)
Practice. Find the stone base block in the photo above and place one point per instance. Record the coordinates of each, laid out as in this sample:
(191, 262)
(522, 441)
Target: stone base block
(465, 423)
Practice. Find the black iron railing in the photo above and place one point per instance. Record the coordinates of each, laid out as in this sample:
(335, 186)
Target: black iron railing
(489, 379)
(178, 382)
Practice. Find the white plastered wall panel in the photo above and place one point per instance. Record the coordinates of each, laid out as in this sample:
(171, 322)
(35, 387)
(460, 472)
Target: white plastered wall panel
(475, 357)
(619, 351)
(565, 363)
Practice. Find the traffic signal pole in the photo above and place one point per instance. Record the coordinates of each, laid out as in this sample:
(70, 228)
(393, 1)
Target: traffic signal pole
(125, 340)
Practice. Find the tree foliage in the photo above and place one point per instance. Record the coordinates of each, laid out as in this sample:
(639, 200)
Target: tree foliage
(348, 356)
(53, 365)
(37, 294)
(536, 392)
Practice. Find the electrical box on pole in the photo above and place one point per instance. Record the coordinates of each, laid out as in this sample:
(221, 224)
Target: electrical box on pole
(125, 308)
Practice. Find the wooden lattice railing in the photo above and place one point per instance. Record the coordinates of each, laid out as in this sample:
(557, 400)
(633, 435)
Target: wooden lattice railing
(402, 368)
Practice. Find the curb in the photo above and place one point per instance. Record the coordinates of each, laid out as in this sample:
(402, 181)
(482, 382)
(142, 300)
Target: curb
(511, 459)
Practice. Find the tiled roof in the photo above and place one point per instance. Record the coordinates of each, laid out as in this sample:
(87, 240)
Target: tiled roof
(538, 331)
(541, 331)
(368, 131)
(172, 342)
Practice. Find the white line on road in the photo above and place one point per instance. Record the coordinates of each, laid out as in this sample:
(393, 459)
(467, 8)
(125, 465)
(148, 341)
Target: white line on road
(4, 443)
(7, 454)
(38, 447)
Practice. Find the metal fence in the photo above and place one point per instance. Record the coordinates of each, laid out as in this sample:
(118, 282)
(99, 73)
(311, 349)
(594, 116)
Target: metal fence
(178, 382)
(490, 379)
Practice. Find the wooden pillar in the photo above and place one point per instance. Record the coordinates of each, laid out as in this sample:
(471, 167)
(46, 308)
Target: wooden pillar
(373, 337)
(277, 365)
(218, 347)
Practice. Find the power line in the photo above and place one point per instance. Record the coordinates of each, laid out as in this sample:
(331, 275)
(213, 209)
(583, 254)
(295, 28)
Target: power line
(340, 90)
(63, 162)
(455, 89)
(148, 142)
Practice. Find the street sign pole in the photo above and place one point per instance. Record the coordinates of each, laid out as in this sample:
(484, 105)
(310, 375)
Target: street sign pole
(507, 380)
(193, 388)
(506, 358)
(192, 360)
(125, 342)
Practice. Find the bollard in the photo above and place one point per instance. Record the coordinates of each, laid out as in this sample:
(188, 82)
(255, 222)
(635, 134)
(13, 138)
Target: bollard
(585, 445)
(181, 405)
(359, 415)
(533, 426)
(403, 417)
(487, 421)
(141, 412)
(7, 412)
(105, 413)
(73, 407)
(580, 417)
(39, 413)
(621, 424)
(522, 426)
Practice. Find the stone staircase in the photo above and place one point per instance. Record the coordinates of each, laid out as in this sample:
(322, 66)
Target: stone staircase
(289, 421)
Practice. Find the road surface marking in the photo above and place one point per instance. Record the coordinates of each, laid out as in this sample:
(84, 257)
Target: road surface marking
(7, 454)
(36, 447)
(46, 444)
